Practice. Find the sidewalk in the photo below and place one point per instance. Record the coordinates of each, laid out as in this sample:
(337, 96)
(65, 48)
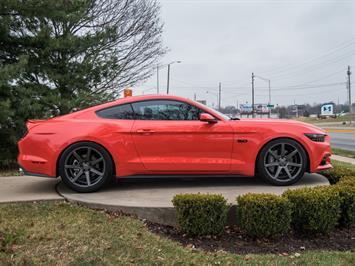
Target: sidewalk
(343, 159)
(27, 188)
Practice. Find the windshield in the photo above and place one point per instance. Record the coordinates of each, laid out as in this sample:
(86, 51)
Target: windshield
(226, 117)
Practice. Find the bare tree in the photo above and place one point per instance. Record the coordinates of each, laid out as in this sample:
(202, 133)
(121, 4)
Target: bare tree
(132, 42)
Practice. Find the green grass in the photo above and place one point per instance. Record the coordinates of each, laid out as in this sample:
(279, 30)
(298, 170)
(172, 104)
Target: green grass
(338, 164)
(345, 153)
(13, 172)
(59, 233)
(314, 120)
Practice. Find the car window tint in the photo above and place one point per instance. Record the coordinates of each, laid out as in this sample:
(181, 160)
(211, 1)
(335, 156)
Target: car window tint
(165, 110)
(124, 111)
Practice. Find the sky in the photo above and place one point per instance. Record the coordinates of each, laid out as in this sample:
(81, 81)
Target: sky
(302, 47)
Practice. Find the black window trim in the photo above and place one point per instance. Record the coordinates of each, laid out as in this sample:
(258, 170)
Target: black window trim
(150, 100)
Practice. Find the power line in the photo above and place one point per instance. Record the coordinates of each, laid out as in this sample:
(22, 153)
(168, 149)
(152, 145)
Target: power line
(343, 45)
(315, 67)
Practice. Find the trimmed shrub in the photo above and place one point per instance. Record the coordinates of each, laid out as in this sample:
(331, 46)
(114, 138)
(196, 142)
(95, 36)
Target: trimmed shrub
(201, 214)
(314, 210)
(347, 195)
(263, 215)
(338, 172)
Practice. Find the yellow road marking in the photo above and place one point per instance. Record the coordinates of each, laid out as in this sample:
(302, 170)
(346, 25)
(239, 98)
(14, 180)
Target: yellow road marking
(330, 130)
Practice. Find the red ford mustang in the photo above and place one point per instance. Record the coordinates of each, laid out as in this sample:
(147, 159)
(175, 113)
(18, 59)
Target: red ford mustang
(152, 135)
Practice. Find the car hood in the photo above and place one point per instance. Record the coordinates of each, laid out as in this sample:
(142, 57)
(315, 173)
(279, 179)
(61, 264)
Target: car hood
(285, 123)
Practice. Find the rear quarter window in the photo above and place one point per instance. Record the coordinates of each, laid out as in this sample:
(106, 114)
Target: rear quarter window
(124, 111)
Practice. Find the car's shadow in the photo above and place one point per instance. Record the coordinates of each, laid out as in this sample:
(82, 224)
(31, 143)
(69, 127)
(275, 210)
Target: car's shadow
(153, 182)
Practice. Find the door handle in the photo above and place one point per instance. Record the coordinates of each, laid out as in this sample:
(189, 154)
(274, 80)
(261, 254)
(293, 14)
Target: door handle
(145, 131)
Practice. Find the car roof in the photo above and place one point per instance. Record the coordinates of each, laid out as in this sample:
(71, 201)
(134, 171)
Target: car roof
(132, 99)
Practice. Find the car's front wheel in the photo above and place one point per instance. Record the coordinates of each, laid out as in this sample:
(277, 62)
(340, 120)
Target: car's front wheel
(282, 162)
(85, 167)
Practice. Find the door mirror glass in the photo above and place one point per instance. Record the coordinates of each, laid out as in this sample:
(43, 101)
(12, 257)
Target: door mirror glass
(207, 118)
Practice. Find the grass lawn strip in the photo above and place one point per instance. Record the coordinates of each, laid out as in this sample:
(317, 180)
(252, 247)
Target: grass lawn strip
(345, 153)
(59, 233)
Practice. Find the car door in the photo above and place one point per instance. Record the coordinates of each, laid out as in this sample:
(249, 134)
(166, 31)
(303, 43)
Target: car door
(170, 138)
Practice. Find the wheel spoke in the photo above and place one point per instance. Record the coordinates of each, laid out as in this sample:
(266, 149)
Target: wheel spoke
(76, 176)
(274, 154)
(291, 154)
(96, 161)
(288, 172)
(72, 166)
(294, 164)
(88, 154)
(278, 171)
(87, 175)
(95, 171)
(283, 149)
(77, 156)
(272, 164)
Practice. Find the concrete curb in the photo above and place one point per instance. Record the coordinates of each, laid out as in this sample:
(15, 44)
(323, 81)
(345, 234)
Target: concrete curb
(343, 159)
(162, 215)
(28, 189)
(119, 199)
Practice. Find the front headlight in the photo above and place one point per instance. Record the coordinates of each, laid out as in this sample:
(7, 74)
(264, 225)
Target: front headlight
(316, 137)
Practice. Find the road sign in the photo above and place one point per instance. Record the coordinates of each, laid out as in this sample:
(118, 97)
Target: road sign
(270, 105)
(327, 109)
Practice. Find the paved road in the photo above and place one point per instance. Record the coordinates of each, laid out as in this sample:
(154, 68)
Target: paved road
(344, 141)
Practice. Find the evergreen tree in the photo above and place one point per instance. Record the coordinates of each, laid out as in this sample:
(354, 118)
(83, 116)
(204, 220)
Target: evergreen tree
(57, 56)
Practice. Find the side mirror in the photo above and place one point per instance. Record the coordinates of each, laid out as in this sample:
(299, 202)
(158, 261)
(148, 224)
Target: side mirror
(204, 117)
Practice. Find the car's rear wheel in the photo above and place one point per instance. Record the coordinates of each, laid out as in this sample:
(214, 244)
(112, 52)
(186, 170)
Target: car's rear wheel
(282, 162)
(85, 167)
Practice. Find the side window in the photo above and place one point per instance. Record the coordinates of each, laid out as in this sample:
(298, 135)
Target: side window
(124, 111)
(165, 110)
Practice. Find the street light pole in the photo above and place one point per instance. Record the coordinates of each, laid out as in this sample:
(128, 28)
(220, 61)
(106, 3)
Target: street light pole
(349, 91)
(269, 82)
(219, 96)
(252, 95)
(157, 79)
(269, 99)
(168, 81)
(167, 86)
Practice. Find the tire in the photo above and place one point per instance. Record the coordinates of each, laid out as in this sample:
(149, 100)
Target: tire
(85, 167)
(282, 162)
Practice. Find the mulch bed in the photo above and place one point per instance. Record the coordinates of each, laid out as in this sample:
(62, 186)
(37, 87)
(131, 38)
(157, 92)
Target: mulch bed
(235, 241)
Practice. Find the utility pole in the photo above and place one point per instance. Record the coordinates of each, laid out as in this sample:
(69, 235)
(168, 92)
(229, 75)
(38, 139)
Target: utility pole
(219, 96)
(157, 79)
(167, 84)
(269, 99)
(296, 107)
(349, 91)
(252, 95)
(194, 96)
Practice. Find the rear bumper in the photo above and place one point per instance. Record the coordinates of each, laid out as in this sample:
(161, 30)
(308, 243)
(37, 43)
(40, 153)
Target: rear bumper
(35, 157)
(25, 172)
